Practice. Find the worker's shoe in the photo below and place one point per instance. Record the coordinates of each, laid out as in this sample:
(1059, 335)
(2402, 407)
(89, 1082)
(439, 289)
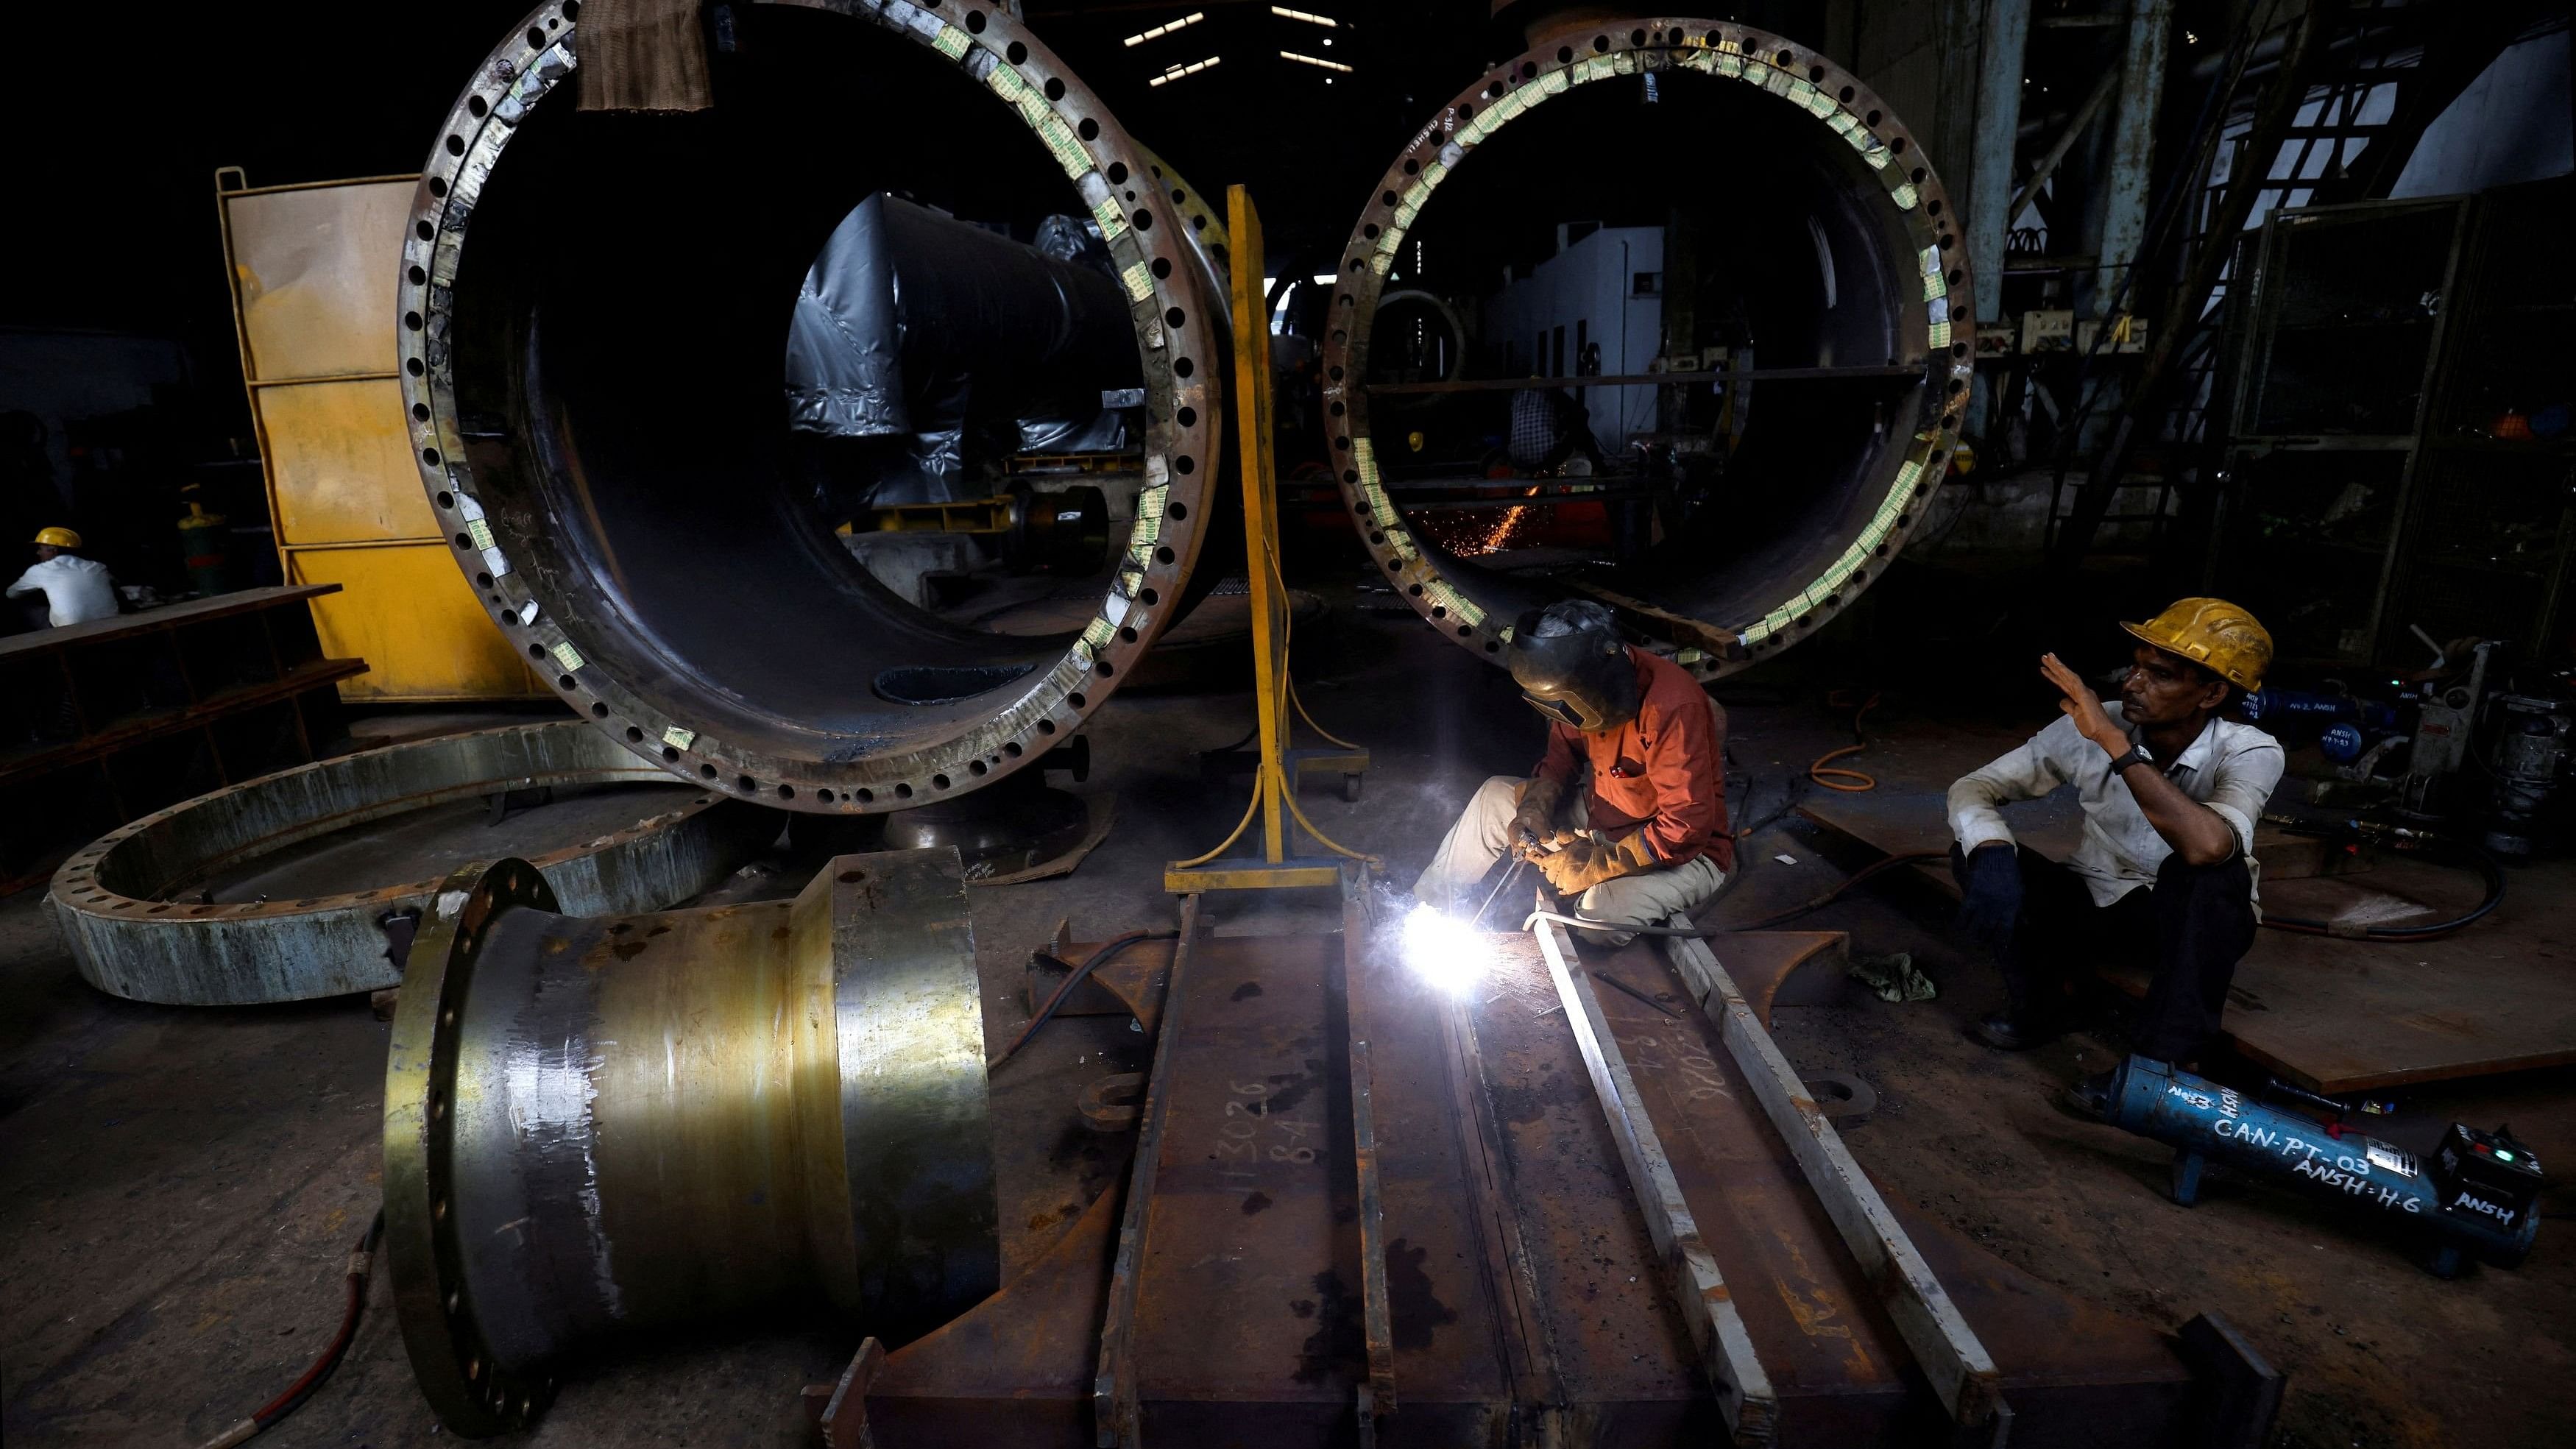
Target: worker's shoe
(2008, 1033)
(2088, 1097)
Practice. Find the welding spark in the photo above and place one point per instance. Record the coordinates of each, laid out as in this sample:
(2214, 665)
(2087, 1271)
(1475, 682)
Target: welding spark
(1446, 951)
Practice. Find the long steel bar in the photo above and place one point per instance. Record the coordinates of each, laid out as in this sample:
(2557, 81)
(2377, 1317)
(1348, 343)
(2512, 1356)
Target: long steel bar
(1377, 1398)
(1521, 1337)
(1745, 1395)
(1116, 1422)
(1961, 1371)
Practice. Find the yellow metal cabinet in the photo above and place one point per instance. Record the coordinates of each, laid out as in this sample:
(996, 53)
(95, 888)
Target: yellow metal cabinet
(312, 271)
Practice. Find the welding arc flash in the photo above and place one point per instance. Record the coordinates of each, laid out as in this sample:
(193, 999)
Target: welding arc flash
(1446, 951)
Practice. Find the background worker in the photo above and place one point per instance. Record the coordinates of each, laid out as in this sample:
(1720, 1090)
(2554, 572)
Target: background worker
(76, 589)
(2165, 873)
(1625, 815)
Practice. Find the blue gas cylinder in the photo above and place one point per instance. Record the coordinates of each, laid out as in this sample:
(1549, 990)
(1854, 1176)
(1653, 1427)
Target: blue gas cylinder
(2450, 1216)
(2343, 743)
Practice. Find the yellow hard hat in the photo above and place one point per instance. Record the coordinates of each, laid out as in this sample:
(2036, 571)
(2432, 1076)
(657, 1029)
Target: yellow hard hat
(2214, 634)
(58, 537)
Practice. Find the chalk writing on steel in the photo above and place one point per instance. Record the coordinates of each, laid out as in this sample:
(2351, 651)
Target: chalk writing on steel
(1695, 1072)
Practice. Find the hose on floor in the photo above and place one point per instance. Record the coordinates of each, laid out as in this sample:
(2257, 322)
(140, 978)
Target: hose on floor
(1824, 771)
(361, 1262)
(1874, 868)
(2488, 872)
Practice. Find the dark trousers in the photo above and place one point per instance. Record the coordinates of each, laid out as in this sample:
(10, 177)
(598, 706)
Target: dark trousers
(2189, 929)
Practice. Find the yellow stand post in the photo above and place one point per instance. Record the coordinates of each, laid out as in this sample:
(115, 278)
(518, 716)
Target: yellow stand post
(1274, 789)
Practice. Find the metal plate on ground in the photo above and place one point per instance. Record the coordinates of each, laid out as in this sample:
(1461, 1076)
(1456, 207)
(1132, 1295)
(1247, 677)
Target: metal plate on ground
(1525, 1294)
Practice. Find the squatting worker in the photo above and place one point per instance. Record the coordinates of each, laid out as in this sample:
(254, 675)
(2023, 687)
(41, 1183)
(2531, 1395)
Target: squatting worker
(76, 589)
(2165, 874)
(1626, 813)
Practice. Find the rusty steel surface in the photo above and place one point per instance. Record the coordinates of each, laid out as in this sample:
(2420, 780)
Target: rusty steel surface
(1856, 480)
(597, 1123)
(141, 925)
(1726, 1355)
(1526, 1299)
(1938, 1339)
(611, 474)
(1377, 1331)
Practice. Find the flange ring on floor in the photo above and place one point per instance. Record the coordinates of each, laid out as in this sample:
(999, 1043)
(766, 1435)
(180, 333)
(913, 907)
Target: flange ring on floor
(129, 940)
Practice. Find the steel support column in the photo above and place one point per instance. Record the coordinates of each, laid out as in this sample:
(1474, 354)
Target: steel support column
(2133, 147)
(2003, 39)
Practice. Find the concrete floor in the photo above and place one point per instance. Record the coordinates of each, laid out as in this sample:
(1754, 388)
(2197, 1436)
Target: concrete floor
(178, 1188)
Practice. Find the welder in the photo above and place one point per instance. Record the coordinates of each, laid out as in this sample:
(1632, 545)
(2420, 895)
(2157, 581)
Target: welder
(1625, 814)
(2164, 876)
(76, 589)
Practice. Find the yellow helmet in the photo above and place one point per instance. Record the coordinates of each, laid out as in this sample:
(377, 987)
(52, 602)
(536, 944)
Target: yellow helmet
(2214, 634)
(58, 537)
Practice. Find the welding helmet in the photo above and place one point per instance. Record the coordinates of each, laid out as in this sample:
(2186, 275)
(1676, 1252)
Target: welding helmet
(1572, 668)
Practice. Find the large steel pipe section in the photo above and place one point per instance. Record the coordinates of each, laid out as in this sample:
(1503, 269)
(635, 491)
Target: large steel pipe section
(605, 1123)
(1851, 273)
(141, 925)
(595, 308)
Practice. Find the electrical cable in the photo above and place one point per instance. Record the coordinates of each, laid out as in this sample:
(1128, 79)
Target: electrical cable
(1824, 766)
(1075, 976)
(2478, 860)
(361, 1260)
(1874, 868)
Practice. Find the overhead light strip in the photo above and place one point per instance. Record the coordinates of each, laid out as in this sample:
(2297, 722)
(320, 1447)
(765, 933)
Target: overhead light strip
(1309, 16)
(1316, 61)
(1193, 68)
(1159, 31)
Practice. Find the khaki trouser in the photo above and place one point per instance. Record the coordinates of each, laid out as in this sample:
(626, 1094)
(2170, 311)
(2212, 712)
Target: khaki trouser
(1483, 833)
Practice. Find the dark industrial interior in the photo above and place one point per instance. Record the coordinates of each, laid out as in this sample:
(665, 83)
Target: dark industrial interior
(1483, 722)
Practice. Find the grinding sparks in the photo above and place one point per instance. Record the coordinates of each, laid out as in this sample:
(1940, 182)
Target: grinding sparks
(1446, 951)
(1513, 517)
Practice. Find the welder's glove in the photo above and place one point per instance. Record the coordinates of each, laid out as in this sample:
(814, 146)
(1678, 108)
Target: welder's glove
(1534, 815)
(1990, 893)
(1590, 861)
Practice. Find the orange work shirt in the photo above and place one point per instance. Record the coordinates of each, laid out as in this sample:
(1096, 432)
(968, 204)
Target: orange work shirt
(1664, 770)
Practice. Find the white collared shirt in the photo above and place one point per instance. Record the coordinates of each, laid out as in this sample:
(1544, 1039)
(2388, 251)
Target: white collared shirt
(76, 589)
(2232, 768)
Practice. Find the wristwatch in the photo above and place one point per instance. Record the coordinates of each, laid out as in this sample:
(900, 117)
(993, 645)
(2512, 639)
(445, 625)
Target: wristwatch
(2137, 755)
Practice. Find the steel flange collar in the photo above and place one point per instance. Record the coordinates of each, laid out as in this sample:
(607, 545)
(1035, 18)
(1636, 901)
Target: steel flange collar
(596, 1124)
(1932, 332)
(560, 600)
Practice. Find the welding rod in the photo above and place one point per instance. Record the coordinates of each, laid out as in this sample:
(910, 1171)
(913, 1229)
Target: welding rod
(1500, 886)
